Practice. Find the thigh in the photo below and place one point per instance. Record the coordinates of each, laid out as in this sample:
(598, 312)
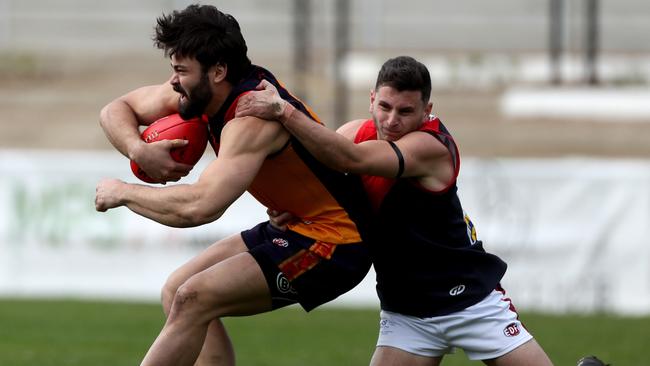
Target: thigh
(215, 253)
(410, 335)
(529, 354)
(487, 330)
(391, 356)
(232, 287)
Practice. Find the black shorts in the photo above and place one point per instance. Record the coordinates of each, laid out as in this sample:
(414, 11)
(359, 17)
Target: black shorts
(296, 273)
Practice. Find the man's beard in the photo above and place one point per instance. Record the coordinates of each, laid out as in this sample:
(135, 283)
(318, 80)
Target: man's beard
(196, 101)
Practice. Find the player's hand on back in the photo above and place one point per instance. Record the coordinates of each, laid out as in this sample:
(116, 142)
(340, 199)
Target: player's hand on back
(154, 159)
(279, 220)
(264, 103)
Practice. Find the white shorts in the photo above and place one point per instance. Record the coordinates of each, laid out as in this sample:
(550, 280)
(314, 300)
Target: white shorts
(484, 331)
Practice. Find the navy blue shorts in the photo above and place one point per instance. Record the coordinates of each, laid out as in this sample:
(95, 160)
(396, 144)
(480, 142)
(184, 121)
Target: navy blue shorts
(296, 269)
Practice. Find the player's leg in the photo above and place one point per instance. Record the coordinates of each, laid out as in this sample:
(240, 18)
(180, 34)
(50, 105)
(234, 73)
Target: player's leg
(217, 349)
(528, 354)
(491, 331)
(234, 286)
(215, 253)
(282, 261)
(408, 340)
(391, 356)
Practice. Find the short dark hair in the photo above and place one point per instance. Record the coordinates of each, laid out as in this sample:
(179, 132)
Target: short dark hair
(206, 34)
(405, 73)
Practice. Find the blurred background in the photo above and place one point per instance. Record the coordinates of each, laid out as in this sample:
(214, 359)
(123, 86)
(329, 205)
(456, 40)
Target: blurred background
(549, 101)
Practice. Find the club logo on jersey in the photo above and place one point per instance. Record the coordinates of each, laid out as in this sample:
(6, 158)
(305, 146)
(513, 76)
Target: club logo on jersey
(457, 290)
(280, 242)
(511, 330)
(283, 284)
(471, 230)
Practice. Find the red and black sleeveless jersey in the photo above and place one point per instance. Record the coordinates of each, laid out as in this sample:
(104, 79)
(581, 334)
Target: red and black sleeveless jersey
(426, 255)
(330, 204)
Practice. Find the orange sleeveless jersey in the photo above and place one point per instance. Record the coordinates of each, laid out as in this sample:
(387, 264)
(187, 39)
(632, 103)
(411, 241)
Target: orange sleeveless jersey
(330, 204)
(286, 183)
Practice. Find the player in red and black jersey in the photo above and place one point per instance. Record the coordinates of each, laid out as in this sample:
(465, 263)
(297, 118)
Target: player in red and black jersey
(439, 288)
(319, 258)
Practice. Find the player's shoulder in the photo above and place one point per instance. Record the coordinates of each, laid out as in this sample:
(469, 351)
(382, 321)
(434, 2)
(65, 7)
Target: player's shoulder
(350, 129)
(255, 132)
(252, 125)
(422, 143)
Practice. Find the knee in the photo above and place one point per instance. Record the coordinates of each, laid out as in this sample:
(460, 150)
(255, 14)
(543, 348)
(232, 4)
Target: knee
(192, 301)
(169, 291)
(187, 295)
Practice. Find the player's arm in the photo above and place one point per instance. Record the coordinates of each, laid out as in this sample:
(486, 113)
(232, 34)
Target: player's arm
(245, 143)
(416, 154)
(421, 155)
(121, 118)
(327, 146)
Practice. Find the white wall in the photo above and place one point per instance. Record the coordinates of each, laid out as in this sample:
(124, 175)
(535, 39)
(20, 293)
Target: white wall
(54, 243)
(573, 231)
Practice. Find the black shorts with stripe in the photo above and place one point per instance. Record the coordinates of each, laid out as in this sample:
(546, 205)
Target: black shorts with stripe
(297, 274)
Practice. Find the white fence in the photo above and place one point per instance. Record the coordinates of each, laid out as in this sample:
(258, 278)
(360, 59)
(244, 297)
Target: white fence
(573, 231)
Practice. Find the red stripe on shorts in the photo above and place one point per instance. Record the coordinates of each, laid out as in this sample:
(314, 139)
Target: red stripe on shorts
(299, 263)
(325, 250)
(511, 306)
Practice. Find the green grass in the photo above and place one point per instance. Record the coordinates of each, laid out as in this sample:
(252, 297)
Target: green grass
(67, 333)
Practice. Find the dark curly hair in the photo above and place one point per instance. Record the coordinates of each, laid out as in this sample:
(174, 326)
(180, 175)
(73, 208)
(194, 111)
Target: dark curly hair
(405, 73)
(206, 34)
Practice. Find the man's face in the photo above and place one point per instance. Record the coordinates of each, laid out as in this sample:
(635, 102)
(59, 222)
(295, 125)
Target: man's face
(193, 85)
(397, 113)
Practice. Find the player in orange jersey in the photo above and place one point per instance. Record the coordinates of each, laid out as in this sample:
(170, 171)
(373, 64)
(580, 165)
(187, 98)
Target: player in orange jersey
(319, 258)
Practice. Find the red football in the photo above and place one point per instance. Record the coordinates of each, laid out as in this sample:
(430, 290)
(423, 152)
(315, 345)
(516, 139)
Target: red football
(173, 127)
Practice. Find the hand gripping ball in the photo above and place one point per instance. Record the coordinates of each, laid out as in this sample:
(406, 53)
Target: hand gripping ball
(172, 127)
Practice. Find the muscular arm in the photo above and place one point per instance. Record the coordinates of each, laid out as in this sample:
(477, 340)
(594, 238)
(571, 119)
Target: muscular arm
(424, 156)
(120, 120)
(245, 143)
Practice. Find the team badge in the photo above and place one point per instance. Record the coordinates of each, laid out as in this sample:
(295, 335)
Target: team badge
(457, 290)
(511, 330)
(283, 284)
(280, 242)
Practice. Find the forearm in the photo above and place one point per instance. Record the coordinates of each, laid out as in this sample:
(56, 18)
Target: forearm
(120, 125)
(176, 206)
(326, 145)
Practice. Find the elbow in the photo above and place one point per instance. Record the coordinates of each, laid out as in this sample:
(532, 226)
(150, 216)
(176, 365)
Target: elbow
(193, 215)
(196, 208)
(103, 117)
(111, 112)
(349, 165)
(107, 114)
(352, 160)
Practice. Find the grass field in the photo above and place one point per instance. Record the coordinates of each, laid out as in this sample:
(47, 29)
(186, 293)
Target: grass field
(69, 333)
